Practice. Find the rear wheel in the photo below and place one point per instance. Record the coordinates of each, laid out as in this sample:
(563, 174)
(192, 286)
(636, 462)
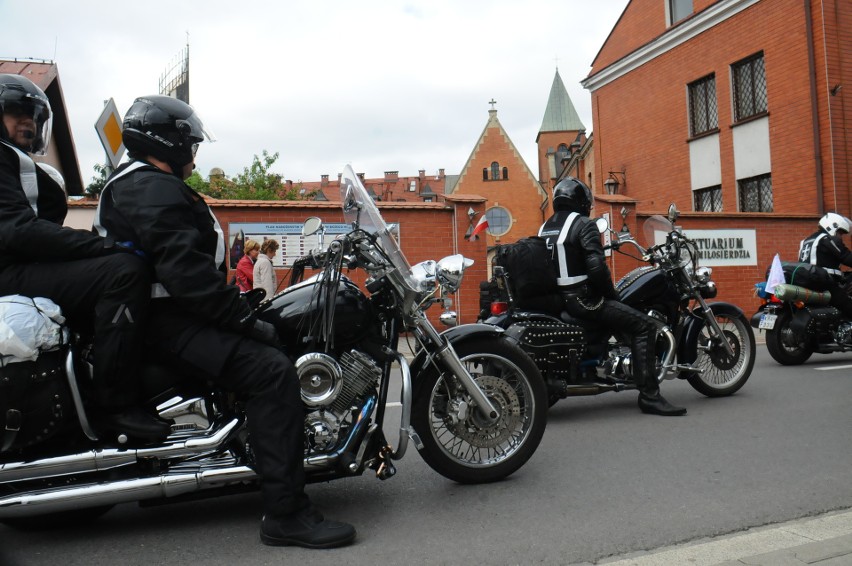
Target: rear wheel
(721, 373)
(787, 347)
(459, 442)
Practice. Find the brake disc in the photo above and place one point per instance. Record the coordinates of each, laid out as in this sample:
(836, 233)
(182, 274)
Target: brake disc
(473, 430)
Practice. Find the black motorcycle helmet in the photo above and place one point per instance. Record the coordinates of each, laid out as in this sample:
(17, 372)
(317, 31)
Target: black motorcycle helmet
(572, 195)
(20, 96)
(165, 128)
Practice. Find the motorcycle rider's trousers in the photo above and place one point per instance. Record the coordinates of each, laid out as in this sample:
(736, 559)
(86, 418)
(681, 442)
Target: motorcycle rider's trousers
(259, 374)
(105, 296)
(619, 318)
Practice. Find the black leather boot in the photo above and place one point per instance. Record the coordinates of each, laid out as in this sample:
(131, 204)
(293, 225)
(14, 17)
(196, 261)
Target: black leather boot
(650, 400)
(307, 528)
(655, 404)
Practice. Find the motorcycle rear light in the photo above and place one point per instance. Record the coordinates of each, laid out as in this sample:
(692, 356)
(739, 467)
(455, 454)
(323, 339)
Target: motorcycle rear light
(499, 307)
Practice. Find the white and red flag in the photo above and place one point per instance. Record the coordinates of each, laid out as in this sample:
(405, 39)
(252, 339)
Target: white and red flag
(480, 227)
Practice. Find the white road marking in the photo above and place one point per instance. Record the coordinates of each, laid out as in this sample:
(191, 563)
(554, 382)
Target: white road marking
(828, 368)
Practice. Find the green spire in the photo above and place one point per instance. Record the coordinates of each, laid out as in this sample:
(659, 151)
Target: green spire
(560, 115)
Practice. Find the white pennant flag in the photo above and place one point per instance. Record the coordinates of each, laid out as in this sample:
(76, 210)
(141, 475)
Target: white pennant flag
(776, 275)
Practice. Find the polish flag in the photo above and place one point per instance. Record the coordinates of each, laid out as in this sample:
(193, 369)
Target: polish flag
(480, 227)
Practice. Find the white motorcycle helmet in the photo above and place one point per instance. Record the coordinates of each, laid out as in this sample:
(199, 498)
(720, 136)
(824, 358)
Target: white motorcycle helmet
(834, 223)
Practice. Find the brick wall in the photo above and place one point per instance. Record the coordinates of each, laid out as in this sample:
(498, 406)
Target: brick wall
(427, 231)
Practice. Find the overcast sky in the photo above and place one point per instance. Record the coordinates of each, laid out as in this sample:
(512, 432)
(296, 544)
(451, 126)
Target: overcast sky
(383, 85)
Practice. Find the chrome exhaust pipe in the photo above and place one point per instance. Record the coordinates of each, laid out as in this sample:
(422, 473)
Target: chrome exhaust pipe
(57, 500)
(110, 458)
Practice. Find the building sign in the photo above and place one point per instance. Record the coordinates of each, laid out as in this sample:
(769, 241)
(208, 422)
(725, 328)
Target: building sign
(291, 244)
(721, 247)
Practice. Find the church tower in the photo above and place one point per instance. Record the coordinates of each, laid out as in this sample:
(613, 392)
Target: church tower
(561, 135)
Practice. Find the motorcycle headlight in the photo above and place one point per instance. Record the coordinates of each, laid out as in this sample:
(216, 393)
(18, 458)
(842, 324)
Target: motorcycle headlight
(450, 271)
(424, 274)
(708, 290)
(702, 274)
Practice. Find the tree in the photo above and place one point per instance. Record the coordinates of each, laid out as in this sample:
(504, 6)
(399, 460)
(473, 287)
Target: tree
(93, 189)
(256, 182)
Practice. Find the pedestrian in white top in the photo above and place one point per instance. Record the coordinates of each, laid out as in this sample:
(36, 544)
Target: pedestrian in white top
(264, 273)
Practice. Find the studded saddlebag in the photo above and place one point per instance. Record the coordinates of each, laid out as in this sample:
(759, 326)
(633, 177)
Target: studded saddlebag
(555, 347)
(35, 401)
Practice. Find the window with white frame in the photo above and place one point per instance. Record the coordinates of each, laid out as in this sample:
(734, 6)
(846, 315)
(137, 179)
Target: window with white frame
(679, 9)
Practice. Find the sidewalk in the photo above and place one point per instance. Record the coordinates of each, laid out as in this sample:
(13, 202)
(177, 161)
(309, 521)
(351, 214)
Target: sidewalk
(825, 540)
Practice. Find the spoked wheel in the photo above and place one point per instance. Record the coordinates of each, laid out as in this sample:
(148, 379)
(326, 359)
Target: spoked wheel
(723, 374)
(460, 442)
(786, 346)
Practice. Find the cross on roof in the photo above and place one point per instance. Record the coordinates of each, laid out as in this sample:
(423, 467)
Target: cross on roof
(492, 102)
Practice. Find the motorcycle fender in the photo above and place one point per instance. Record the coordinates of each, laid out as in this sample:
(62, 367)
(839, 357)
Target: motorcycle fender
(688, 349)
(457, 335)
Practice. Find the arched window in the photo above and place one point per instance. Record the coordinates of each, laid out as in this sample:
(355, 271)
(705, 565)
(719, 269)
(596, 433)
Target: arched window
(505, 173)
(499, 220)
(495, 171)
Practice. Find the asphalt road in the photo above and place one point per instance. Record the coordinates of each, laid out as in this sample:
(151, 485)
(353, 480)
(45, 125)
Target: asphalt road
(606, 480)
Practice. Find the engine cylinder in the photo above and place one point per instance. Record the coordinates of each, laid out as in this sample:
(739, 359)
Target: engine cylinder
(320, 379)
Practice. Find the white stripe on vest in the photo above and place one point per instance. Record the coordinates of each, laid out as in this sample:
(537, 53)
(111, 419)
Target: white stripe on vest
(564, 278)
(29, 181)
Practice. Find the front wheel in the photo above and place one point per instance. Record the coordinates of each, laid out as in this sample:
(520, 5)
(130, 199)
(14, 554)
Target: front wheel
(787, 347)
(722, 374)
(458, 441)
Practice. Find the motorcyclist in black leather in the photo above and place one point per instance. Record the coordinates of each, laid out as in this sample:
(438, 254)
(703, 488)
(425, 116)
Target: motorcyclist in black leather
(199, 323)
(826, 249)
(586, 286)
(101, 289)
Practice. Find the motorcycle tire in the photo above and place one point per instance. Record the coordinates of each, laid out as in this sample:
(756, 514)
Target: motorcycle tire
(722, 374)
(458, 443)
(785, 346)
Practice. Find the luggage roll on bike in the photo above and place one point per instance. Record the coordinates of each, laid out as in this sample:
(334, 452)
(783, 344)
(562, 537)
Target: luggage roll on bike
(472, 402)
(709, 344)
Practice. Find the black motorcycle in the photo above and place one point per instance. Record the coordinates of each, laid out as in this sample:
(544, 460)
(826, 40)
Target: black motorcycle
(711, 345)
(472, 401)
(799, 322)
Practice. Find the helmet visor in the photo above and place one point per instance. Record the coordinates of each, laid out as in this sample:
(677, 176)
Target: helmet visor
(193, 129)
(28, 110)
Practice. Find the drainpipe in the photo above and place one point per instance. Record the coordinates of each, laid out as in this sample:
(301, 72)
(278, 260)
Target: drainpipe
(809, 27)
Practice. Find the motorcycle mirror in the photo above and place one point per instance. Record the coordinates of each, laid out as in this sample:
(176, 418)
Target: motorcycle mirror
(601, 224)
(673, 213)
(312, 225)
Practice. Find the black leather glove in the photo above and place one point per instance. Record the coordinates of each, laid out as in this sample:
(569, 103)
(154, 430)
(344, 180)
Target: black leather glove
(264, 332)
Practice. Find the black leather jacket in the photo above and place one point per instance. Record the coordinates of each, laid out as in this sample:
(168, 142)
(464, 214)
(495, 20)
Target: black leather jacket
(821, 249)
(582, 265)
(176, 232)
(30, 234)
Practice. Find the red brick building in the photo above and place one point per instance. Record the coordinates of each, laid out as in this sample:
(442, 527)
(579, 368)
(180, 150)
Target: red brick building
(738, 111)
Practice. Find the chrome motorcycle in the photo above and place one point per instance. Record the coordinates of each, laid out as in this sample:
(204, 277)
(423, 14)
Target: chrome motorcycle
(711, 345)
(472, 402)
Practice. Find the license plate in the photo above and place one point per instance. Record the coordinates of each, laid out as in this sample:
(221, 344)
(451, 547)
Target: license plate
(767, 321)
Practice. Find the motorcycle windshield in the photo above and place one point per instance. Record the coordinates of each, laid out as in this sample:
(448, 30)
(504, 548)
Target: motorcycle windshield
(360, 210)
(656, 228)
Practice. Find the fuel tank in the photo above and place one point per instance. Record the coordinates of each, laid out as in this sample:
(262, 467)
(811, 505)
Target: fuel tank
(645, 286)
(300, 312)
